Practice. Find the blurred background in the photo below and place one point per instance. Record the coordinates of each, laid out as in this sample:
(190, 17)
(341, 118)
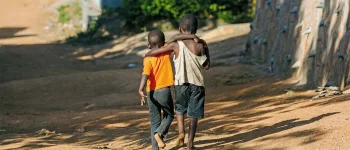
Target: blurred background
(95, 20)
(55, 47)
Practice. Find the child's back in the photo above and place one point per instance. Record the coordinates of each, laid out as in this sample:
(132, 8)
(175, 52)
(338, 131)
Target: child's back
(159, 70)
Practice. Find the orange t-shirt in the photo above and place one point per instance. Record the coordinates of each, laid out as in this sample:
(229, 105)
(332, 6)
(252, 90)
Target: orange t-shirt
(159, 71)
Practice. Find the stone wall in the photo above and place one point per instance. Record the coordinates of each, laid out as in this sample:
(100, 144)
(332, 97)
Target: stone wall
(308, 39)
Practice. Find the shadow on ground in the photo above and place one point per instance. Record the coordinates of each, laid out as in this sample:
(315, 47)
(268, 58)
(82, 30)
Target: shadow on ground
(7, 33)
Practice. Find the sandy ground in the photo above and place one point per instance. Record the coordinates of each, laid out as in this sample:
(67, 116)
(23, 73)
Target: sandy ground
(86, 96)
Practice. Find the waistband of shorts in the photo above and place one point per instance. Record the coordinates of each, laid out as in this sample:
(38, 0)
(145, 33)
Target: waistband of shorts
(167, 87)
(188, 84)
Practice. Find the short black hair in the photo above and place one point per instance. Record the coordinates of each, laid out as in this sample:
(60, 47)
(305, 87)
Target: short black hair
(156, 38)
(189, 23)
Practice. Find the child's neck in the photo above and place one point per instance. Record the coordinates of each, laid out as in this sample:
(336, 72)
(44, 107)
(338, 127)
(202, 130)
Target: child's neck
(187, 33)
(156, 47)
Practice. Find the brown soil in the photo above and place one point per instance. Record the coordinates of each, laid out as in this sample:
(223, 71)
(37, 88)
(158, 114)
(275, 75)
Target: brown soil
(92, 103)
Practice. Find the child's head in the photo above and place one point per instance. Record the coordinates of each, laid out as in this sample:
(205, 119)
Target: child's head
(156, 38)
(189, 24)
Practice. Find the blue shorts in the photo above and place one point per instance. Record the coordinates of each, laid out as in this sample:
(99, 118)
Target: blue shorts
(190, 100)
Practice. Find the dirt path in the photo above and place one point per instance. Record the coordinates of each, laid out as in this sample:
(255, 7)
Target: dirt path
(91, 103)
(251, 117)
(23, 21)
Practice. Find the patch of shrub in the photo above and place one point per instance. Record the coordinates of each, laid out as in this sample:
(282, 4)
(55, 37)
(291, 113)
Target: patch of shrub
(137, 13)
(68, 12)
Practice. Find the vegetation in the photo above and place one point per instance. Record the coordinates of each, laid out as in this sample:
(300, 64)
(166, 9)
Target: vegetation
(137, 12)
(143, 15)
(72, 14)
(66, 13)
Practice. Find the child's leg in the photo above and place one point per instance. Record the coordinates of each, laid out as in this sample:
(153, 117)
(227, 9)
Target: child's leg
(182, 95)
(180, 124)
(195, 111)
(155, 117)
(192, 132)
(163, 96)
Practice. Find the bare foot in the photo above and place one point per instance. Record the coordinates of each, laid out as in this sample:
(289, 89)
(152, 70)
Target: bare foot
(179, 142)
(159, 140)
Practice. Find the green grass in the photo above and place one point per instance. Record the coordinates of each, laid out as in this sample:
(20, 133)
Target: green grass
(68, 12)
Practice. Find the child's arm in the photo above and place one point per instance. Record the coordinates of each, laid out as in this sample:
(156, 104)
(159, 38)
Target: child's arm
(183, 37)
(147, 68)
(206, 64)
(144, 79)
(167, 48)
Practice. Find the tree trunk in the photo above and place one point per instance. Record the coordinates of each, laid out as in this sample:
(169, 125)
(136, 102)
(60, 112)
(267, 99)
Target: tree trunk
(309, 39)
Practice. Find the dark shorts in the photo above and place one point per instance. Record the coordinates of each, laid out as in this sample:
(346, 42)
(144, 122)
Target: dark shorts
(190, 100)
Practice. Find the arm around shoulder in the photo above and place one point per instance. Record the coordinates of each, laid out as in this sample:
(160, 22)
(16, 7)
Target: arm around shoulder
(183, 37)
(168, 48)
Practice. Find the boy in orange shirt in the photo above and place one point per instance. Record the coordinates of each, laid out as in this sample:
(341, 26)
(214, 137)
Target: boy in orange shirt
(157, 71)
